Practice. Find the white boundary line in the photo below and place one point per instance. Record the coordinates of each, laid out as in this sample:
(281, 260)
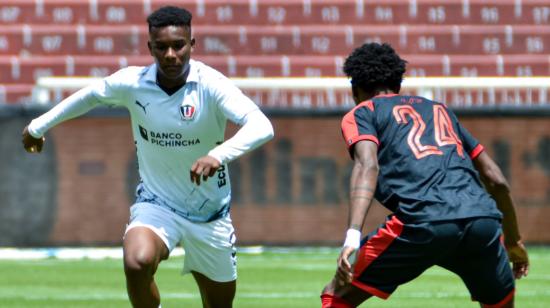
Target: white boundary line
(249, 295)
(98, 253)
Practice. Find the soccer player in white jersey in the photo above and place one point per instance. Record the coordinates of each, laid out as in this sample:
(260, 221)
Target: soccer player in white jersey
(178, 108)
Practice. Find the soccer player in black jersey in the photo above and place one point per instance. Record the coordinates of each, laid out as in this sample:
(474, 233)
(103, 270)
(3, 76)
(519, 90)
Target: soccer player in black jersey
(451, 204)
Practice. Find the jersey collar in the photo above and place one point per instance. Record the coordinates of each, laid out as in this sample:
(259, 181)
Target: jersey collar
(386, 95)
(193, 72)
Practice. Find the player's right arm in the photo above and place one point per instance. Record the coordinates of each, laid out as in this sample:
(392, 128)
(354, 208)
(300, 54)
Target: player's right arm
(359, 132)
(497, 185)
(363, 182)
(71, 107)
(80, 102)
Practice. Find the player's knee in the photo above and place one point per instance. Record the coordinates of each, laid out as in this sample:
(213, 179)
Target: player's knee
(330, 301)
(140, 263)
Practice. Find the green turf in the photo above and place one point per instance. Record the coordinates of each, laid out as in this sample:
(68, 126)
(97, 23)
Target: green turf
(270, 279)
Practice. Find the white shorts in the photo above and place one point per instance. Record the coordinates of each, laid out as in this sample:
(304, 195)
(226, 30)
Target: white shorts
(209, 247)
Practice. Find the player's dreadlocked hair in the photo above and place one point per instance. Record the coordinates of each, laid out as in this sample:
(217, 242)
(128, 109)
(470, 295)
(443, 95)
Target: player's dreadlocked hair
(375, 66)
(169, 16)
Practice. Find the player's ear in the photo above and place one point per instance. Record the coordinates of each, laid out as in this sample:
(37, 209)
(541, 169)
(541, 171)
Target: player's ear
(192, 42)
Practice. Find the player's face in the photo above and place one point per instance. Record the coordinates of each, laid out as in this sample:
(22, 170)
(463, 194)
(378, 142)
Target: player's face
(171, 47)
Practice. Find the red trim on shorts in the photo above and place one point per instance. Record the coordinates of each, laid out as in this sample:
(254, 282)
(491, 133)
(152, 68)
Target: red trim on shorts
(372, 249)
(372, 290)
(333, 301)
(503, 302)
(477, 150)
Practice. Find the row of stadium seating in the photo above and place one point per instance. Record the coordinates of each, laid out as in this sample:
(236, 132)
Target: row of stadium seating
(288, 12)
(20, 74)
(287, 40)
(28, 69)
(271, 38)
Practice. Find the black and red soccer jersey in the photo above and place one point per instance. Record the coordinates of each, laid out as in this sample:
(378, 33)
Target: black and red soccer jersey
(425, 158)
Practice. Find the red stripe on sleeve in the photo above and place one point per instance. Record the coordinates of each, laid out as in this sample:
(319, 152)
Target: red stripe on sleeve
(353, 141)
(369, 105)
(477, 150)
(350, 131)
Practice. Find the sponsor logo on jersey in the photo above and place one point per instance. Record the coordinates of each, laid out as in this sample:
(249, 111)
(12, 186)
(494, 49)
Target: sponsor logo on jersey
(143, 133)
(187, 112)
(165, 139)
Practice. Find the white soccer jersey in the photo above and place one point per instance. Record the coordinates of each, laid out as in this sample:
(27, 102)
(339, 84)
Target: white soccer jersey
(171, 132)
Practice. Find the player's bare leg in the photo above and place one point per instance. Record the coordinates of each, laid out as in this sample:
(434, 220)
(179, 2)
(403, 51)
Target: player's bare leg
(347, 292)
(215, 294)
(143, 251)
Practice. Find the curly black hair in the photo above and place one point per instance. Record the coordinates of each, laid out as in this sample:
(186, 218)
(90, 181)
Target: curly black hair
(169, 16)
(375, 66)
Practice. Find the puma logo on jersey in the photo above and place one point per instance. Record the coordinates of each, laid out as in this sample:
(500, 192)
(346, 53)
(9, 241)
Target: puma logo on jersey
(142, 106)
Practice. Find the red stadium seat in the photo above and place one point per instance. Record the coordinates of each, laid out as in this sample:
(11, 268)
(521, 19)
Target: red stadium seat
(15, 93)
(18, 70)
(13, 39)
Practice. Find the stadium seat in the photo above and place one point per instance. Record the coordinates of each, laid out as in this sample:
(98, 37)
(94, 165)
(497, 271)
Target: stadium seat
(18, 70)
(29, 69)
(13, 38)
(15, 93)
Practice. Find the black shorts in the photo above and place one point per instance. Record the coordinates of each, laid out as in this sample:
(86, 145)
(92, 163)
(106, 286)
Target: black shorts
(396, 253)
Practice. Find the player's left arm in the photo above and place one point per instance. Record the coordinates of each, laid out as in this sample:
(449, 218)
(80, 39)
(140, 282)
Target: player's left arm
(497, 185)
(256, 130)
(362, 188)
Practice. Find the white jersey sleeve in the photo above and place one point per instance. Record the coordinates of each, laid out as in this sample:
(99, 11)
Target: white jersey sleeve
(102, 92)
(256, 128)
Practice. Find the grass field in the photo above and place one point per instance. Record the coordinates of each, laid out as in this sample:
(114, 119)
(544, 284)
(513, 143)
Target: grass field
(276, 278)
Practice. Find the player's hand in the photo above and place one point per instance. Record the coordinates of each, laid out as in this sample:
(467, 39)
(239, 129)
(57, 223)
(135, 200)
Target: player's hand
(204, 167)
(519, 258)
(31, 144)
(344, 273)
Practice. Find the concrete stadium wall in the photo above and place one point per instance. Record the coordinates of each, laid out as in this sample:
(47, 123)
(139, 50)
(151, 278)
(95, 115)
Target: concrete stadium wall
(292, 191)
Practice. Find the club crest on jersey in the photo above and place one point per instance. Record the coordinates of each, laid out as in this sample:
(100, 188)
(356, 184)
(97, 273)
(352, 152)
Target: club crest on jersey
(187, 112)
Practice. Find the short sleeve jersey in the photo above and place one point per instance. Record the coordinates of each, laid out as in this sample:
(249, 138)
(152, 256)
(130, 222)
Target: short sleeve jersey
(172, 131)
(425, 157)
